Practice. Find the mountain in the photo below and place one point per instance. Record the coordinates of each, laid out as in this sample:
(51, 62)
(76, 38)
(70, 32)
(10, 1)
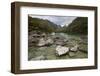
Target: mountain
(78, 26)
(41, 25)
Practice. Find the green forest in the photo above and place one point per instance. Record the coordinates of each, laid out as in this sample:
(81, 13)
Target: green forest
(78, 26)
(41, 25)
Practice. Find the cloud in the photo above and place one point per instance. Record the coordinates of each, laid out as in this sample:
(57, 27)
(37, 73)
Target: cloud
(59, 20)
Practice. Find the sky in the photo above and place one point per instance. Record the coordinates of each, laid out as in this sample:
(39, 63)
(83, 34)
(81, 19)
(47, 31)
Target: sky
(59, 20)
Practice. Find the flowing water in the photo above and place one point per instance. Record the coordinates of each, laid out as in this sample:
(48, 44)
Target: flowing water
(49, 52)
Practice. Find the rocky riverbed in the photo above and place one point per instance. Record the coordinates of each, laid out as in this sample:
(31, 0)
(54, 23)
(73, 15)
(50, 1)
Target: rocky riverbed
(46, 50)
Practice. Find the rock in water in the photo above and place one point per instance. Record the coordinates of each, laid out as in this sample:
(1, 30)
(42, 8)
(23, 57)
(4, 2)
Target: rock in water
(75, 48)
(83, 48)
(49, 41)
(53, 33)
(59, 42)
(41, 42)
(61, 50)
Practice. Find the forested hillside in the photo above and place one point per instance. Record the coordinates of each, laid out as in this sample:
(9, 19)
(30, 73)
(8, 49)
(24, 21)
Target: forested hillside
(78, 26)
(41, 25)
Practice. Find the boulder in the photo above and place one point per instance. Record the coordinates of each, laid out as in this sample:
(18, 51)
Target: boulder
(74, 49)
(61, 50)
(60, 42)
(49, 41)
(43, 35)
(83, 48)
(53, 33)
(41, 42)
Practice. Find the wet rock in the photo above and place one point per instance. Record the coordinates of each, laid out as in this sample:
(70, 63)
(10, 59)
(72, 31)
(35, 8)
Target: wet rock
(43, 35)
(65, 40)
(83, 48)
(60, 42)
(49, 41)
(83, 42)
(41, 42)
(53, 33)
(61, 50)
(74, 49)
(71, 54)
(32, 41)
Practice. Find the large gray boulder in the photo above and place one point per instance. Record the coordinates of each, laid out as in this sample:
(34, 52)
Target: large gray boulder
(61, 50)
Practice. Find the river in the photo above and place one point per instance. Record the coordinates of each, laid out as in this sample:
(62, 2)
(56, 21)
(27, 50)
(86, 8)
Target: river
(48, 52)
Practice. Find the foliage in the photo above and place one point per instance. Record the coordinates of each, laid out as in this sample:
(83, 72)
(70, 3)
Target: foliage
(41, 25)
(78, 26)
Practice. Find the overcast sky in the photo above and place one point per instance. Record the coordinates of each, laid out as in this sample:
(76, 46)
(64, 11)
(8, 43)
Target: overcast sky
(59, 20)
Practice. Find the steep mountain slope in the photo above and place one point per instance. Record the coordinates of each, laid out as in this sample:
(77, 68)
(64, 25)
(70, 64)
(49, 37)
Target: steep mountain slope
(41, 25)
(78, 26)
